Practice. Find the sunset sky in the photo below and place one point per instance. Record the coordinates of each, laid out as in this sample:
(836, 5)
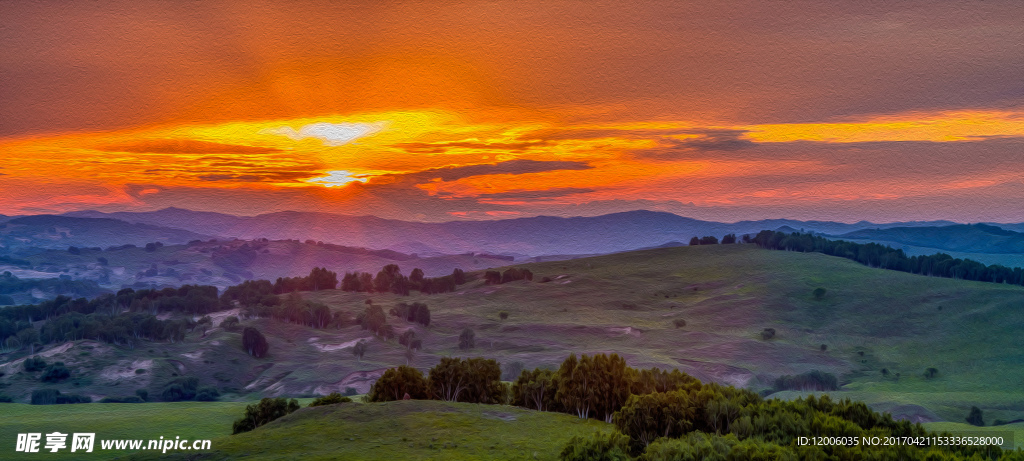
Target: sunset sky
(437, 111)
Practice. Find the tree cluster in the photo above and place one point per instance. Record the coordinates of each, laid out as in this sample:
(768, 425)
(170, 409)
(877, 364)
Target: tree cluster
(813, 380)
(318, 279)
(474, 380)
(415, 312)
(294, 309)
(886, 257)
(509, 275)
(187, 388)
(264, 412)
(708, 240)
(121, 319)
(668, 417)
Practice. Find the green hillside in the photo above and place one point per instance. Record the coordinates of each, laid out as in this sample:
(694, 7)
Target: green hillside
(415, 429)
(868, 319)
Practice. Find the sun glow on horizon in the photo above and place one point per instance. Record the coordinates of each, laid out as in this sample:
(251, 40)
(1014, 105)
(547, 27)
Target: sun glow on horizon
(450, 157)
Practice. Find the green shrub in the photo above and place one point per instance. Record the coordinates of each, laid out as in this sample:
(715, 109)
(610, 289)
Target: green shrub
(975, 417)
(178, 389)
(55, 373)
(34, 364)
(331, 399)
(142, 394)
(207, 394)
(230, 323)
(608, 447)
(129, 399)
(812, 380)
(54, 397)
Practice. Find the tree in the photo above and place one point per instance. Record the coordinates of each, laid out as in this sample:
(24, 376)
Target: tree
(931, 372)
(536, 389)
(975, 418)
(396, 382)
(729, 239)
(254, 343)
(503, 315)
(29, 337)
(373, 319)
(416, 276)
(709, 240)
(458, 276)
(767, 333)
(467, 339)
(359, 349)
(406, 338)
(492, 277)
(322, 279)
(264, 412)
(695, 241)
(819, 293)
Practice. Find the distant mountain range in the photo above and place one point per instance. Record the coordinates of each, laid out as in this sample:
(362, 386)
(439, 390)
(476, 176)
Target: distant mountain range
(968, 238)
(522, 237)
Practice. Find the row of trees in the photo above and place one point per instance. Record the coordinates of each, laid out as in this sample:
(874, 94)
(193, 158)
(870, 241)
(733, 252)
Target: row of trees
(293, 308)
(187, 299)
(391, 280)
(509, 275)
(886, 257)
(728, 239)
(318, 279)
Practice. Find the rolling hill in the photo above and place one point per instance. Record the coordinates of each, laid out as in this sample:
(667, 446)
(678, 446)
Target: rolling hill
(61, 232)
(964, 238)
(868, 320)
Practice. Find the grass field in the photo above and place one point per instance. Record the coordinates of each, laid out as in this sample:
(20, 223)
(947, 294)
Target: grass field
(192, 420)
(869, 320)
(422, 430)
